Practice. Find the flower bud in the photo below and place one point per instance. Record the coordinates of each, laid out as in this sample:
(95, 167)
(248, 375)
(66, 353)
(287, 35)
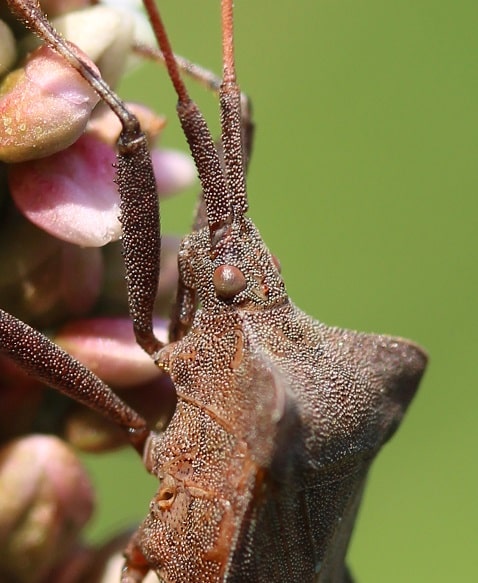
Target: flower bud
(173, 170)
(30, 274)
(43, 279)
(102, 32)
(143, 32)
(44, 107)
(45, 500)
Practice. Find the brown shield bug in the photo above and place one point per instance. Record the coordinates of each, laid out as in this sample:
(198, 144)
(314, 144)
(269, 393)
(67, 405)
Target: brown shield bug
(278, 416)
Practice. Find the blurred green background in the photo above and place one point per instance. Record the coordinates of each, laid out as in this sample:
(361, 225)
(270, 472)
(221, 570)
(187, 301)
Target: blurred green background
(363, 183)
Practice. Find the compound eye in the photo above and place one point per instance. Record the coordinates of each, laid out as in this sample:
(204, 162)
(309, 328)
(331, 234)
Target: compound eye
(228, 281)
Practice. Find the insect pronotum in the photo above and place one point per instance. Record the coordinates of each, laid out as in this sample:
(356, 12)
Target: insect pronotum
(278, 416)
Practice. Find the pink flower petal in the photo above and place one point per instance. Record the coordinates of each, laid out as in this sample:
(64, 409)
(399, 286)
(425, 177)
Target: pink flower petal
(108, 348)
(71, 194)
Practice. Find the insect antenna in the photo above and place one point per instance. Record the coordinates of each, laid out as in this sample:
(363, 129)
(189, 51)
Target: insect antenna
(231, 123)
(223, 187)
(212, 83)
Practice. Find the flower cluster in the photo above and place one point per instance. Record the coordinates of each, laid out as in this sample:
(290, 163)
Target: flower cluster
(62, 272)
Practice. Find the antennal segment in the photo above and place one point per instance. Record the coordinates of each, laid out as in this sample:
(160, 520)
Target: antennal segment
(211, 82)
(229, 65)
(165, 45)
(231, 126)
(217, 194)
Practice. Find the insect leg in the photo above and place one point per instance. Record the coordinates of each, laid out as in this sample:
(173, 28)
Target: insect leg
(47, 362)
